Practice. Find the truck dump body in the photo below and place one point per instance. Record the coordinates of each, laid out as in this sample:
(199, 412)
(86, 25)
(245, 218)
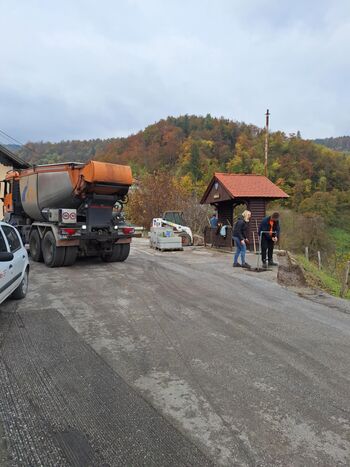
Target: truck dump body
(55, 186)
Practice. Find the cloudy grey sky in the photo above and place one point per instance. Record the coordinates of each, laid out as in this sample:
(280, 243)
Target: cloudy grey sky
(102, 68)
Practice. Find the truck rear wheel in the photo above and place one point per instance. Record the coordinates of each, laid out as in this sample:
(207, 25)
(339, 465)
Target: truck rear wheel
(53, 255)
(125, 251)
(119, 253)
(70, 256)
(35, 246)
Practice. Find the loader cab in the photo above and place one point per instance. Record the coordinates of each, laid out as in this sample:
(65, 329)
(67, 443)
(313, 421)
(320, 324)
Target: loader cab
(174, 216)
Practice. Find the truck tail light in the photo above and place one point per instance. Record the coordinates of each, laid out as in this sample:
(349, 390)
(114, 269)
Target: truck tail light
(128, 230)
(68, 231)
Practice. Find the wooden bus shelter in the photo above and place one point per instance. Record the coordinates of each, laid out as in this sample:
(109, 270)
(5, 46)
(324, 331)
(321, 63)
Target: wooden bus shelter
(226, 191)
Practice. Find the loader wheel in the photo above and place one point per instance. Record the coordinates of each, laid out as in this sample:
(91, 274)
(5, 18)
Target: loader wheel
(70, 255)
(119, 253)
(53, 255)
(185, 239)
(35, 246)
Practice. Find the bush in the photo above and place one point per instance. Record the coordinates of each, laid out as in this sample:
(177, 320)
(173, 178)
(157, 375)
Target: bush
(196, 215)
(151, 196)
(301, 230)
(321, 203)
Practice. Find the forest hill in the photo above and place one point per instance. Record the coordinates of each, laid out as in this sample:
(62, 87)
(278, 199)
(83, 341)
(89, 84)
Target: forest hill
(192, 148)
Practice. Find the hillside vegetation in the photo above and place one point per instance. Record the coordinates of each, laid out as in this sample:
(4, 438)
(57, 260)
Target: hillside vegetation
(192, 148)
(64, 151)
(340, 143)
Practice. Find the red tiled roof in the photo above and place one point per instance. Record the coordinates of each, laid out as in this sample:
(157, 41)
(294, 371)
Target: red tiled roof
(242, 185)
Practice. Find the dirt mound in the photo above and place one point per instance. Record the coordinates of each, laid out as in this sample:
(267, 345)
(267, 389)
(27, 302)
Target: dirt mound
(198, 240)
(290, 273)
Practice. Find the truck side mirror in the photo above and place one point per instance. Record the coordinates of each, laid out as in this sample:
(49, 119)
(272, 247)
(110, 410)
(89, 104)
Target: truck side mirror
(6, 256)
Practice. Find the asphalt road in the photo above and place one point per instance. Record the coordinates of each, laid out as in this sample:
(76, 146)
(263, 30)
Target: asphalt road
(172, 359)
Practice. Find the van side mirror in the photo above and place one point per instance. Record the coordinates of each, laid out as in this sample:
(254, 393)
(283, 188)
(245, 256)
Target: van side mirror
(5, 256)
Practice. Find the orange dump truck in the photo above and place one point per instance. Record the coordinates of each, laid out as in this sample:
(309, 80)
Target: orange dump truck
(68, 210)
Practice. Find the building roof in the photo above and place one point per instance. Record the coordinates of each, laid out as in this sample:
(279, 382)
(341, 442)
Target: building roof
(15, 161)
(246, 186)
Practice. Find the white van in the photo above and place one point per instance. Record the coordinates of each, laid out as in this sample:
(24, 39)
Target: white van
(14, 265)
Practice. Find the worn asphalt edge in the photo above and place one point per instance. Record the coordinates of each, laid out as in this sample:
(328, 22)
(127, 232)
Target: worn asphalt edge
(56, 454)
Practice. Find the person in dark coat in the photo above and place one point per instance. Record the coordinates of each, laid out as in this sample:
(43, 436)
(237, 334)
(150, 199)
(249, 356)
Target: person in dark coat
(269, 232)
(239, 236)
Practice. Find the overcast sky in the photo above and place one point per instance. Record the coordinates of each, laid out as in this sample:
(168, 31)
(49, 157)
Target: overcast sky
(73, 69)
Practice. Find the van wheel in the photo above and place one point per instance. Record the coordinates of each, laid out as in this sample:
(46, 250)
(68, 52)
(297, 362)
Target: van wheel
(22, 289)
(70, 255)
(119, 253)
(35, 246)
(53, 255)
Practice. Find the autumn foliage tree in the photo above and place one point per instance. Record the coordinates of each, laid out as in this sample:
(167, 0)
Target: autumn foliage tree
(151, 196)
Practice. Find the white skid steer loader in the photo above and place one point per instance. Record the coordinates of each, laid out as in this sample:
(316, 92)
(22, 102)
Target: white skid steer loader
(175, 220)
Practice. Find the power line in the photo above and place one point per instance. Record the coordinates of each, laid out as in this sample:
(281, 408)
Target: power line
(11, 138)
(18, 142)
(5, 140)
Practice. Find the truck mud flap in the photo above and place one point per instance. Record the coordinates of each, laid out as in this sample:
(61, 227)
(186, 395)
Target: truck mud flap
(123, 240)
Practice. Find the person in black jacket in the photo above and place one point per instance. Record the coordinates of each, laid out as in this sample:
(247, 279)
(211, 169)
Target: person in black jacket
(239, 236)
(269, 232)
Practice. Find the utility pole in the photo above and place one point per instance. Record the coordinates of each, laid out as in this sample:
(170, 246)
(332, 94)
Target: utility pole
(267, 115)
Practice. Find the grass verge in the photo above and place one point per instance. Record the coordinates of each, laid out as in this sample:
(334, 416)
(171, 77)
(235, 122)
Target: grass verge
(320, 279)
(341, 239)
